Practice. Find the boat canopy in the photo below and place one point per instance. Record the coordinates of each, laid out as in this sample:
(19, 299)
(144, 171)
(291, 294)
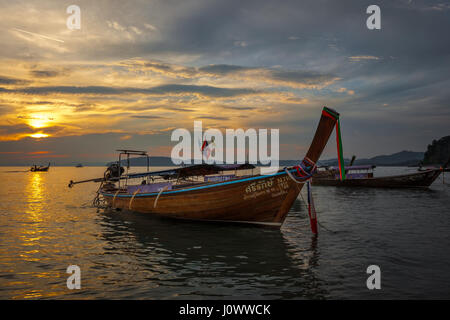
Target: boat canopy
(193, 170)
(354, 168)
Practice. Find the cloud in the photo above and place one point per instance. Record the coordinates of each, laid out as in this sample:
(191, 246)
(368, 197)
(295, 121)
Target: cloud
(14, 129)
(115, 25)
(208, 91)
(266, 75)
(44, 73)
(150, 27)
(304, 79)
(39, 35)
(294, 78)
(237, 108)
(9, 81)
(240, 43)
(212, 117)
(147, 117)
(361, 58)
(223, 69)
(345, 90)
(177, 109)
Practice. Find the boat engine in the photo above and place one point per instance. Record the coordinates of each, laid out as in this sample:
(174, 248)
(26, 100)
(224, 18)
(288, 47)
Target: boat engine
(113, 171)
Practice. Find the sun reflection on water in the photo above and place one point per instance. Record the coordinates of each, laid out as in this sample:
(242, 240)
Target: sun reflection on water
(35, 198)
(34, 210)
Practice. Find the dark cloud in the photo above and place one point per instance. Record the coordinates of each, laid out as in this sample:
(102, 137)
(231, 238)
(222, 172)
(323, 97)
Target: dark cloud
(213, 118)
(23, 128)
(157, 90)
(237, 108)
(4, 109)
(44, 73)
(8, 80)
(147, 117)
(14, 129)
(223, 69)
(302, 77)
(286, 77)
(178, 109)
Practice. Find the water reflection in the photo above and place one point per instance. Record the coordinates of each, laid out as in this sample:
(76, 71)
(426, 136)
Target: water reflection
(31, 235)
(35, 196)
(211, 260)
(34, 211)
(44, 228)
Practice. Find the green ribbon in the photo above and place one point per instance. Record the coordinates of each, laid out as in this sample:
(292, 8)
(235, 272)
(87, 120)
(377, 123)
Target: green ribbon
(339, 150)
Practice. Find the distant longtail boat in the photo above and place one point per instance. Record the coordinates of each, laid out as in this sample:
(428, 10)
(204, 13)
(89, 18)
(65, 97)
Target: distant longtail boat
(36, 168)
(362, 176)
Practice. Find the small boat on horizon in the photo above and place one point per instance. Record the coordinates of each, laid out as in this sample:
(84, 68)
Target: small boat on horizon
(79, 165)
(36, 168)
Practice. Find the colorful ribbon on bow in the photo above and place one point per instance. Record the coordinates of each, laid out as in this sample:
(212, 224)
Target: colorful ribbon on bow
(329, 113)
(311, 209)
(305, 170)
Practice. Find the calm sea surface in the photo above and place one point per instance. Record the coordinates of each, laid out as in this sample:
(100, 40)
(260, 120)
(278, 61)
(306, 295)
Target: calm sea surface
(45, 227)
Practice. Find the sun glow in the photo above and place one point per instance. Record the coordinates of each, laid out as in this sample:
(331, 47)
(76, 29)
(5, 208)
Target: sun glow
(39, 135)
(39, 121)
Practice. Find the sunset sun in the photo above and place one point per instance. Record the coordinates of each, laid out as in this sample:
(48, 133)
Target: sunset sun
(39, 121)
(39, 135)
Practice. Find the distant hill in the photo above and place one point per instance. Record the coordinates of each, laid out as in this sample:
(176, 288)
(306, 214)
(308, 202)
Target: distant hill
(438, 152)
(399, 159)
(403, 158)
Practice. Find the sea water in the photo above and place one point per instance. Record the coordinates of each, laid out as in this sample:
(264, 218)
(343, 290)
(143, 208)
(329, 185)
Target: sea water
(45, 227)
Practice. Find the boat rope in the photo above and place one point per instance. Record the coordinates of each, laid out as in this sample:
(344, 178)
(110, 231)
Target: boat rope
(318, 222)
(160, 191)
(443, 175)
(114, 198)
(97, 202)
(132, 198)
(311, 209)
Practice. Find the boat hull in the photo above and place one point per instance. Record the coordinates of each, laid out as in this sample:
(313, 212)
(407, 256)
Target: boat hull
(414, 180)
(259, 199)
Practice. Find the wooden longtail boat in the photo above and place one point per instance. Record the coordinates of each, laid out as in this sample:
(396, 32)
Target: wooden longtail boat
(260, 199)
(39, 168)
(329, 177)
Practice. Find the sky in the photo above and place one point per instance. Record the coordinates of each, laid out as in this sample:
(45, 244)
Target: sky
(137, 70)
